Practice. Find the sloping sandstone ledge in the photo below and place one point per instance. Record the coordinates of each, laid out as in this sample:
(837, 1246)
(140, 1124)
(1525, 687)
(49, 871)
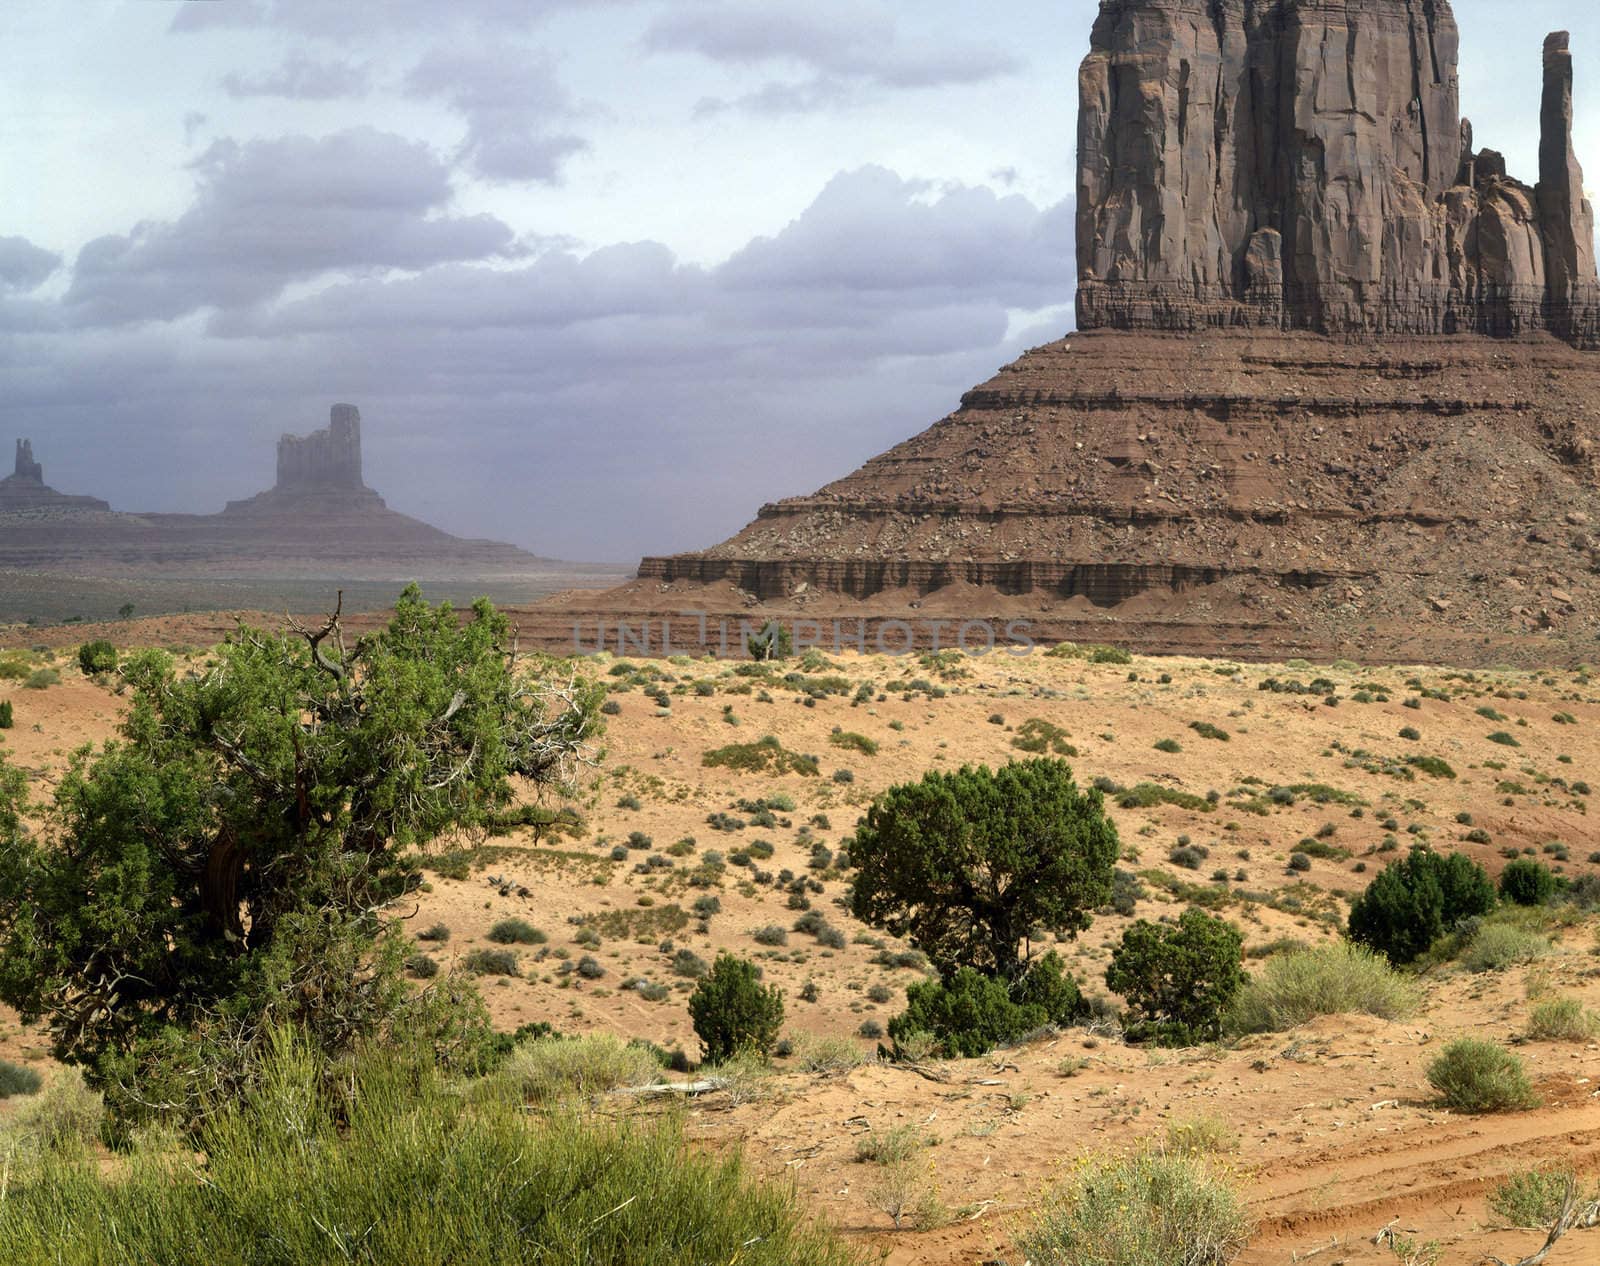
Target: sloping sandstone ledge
(1326, 482)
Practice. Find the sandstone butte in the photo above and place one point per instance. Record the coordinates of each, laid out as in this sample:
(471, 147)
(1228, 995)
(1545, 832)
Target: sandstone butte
(1333, 389)
(318, 520)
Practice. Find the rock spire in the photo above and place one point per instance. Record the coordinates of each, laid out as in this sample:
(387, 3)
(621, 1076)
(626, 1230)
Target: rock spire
(26, 467)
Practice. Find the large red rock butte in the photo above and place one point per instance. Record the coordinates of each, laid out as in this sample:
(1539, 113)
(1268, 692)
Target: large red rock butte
(1333, 388)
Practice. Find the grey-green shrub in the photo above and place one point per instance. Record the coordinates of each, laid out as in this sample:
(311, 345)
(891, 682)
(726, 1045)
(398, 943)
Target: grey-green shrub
(1476, 1076)
(488, 962)
(1532, 1197)
(1337, 979)
(1153, 1208)
(516, 932)
(18, 1079)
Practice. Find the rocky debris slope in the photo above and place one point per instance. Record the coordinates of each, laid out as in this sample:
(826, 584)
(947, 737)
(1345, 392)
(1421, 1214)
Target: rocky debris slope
(1289, 475)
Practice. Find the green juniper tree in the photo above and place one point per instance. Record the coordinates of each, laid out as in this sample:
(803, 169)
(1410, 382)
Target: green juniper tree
(1178, 980)
(1415, 901)
(224, 865)
(734, 1012)
(968, 863)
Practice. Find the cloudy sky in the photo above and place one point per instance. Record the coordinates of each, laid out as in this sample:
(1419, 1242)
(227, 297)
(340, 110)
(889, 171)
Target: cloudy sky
(602, 275)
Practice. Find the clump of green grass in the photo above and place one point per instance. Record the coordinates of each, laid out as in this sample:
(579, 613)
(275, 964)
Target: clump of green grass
(553, 1068)
(1169, 745)
(41, 679)
(766, 756)
(891, 1146)
(1206, 730)
(1504, 739)
(1201, 1136)
(403, 1168)
(1496, 946)
(1562, 1019)
(60, 1121)
(1476, 1076)
(819, 1054)
(1150, 1209)
(1337, 979)
(853, 742)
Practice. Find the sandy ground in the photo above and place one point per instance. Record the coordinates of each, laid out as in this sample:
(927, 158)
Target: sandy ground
(1337, 1134)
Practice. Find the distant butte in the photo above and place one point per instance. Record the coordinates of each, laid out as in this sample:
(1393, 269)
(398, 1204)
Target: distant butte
(1333, 389)
(320, 471)
(25, 489)
(318, 520)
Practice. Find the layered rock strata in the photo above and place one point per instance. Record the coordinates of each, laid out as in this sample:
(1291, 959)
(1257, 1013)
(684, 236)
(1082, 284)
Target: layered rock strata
(1290, 467)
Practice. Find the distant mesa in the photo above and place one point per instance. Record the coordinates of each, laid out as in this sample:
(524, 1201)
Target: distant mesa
(318, 520)
(320, 469)
(25, 489)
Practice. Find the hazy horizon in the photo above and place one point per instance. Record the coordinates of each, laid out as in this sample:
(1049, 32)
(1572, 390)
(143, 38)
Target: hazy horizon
(602, 277)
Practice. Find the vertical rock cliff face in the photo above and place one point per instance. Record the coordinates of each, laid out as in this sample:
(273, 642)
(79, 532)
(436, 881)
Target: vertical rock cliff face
(26, 467)
(327, 459)
(1302, 164)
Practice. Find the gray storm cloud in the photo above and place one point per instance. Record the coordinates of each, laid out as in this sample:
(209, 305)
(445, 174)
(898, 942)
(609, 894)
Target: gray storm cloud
(594, 403)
